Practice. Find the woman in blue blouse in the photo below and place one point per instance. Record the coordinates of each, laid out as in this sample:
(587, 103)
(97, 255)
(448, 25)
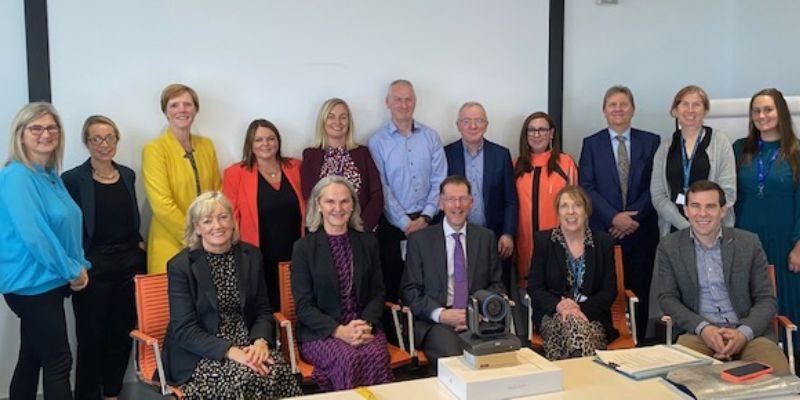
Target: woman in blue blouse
(42, 257)
(768, 199)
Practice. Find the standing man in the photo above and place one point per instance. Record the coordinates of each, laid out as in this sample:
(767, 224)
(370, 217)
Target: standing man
(446, 263)
(715, 285)
(487, 166)
(411, 162)
(615, 168)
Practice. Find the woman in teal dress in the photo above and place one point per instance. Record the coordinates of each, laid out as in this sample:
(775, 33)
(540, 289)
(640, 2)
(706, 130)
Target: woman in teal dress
(768, 200)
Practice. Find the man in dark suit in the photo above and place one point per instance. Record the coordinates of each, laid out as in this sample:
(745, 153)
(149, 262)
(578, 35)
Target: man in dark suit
(713, 282)
(615, 168)
(445, 263)
(487, 167)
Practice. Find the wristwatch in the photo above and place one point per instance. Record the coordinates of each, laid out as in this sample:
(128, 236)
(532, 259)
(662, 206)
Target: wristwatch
(426, 218)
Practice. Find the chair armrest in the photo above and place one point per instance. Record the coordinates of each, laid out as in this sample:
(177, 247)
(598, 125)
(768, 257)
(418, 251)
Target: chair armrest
(786, 322)
(668, 320)
(398, 331)
(790, 328)
(286, 324)
(633, 301)
(143, 337)
(630, 295)
(529, 304)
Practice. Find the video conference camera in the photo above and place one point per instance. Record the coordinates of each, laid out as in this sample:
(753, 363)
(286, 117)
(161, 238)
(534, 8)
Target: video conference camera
(488, 341)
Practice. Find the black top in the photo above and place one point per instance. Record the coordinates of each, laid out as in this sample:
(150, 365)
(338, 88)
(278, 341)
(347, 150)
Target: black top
(279, 220)
(701, 166)
(111, 225)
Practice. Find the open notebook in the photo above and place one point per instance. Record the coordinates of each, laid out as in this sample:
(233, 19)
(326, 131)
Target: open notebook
(647, 362)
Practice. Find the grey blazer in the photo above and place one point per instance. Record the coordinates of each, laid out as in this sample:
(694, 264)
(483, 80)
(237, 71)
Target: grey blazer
(424, 283)
(744, 266)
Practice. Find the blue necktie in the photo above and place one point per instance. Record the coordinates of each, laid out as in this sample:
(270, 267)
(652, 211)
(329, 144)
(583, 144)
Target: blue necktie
(460, 285)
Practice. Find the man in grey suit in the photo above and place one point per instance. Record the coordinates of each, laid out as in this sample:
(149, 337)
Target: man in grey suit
(715, 285)
(445, 263)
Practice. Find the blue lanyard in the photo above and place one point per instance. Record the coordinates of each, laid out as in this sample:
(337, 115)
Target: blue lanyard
(577, 273)
(763, 168)
(687, 161)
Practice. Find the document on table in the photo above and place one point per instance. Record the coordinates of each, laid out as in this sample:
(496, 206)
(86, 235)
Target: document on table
(645, 362)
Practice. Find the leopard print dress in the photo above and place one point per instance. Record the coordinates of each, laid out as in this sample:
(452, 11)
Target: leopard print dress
(226, 379)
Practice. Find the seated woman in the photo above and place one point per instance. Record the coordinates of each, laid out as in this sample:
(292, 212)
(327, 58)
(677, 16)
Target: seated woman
(572, 281)
(338, 291)
(220, 337)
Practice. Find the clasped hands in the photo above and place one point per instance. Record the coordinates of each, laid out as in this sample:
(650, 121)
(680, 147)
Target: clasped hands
(725, 342)
(356, 333)
(256, 356)
(623, 224)
(567, 307)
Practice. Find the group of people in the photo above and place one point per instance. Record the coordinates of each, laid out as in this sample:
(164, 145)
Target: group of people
(404, 218)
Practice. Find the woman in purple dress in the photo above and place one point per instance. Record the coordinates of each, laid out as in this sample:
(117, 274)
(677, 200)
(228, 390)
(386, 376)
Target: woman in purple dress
(338, 291)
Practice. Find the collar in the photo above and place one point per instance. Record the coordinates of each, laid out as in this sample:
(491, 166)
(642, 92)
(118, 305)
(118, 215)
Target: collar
(449, 231)
(466, 149)
(697, 242)
(613, 134)
(394, 131)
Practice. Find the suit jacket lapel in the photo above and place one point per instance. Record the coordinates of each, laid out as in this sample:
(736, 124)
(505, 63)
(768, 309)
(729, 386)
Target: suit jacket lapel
(728, 250)
(487, 174)
(326, 265)
(473, 244)
(610, 158)
(202, 273)
(590, 271)
(635, 167)
(459, 164)
(250, 188)
(439, 257)
(689, 259)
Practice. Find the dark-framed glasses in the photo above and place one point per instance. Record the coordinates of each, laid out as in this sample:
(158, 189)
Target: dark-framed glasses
(38, 130)
(534, 132)
(98, 140)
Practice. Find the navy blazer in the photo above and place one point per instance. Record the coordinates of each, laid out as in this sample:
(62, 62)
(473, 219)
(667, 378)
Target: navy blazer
(194, 309)
(80, 185)
(499, 190)
(599, 177)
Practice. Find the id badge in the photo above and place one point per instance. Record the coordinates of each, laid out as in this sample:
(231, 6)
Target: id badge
(681, 200)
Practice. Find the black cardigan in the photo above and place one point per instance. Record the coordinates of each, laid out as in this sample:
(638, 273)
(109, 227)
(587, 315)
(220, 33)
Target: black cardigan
(548, 279)
(194, 309)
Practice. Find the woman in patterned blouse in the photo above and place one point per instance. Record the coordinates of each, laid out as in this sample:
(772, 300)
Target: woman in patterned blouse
(335, 152)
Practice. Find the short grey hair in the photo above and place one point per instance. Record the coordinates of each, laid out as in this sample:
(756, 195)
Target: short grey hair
(202, 207)
(399, 82)
(26, 115)
(313, 213)
(471, 104)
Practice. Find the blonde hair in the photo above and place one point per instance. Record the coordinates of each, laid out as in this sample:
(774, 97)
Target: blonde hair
(314, 215)
(320, 139)
(26, 115)
(202, 207)
(687, 90)
(175, 90)
(95, 120)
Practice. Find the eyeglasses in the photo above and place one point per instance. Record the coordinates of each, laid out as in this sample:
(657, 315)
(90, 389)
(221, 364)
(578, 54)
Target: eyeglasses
(476, 121)
(460, 200)
(38, 130)
(98, 140)
(538, 131)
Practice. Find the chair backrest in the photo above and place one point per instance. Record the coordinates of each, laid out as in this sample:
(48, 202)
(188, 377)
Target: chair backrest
(619, 308)
(771, 272)
(152, 317)
(285, 289)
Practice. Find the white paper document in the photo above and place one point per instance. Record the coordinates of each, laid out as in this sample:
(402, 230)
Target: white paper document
(641, 359)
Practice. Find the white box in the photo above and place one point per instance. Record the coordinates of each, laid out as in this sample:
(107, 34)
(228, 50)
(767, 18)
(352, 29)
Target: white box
(533, 375)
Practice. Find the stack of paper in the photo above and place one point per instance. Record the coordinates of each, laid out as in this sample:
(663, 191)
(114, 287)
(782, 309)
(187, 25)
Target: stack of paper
(646, 362)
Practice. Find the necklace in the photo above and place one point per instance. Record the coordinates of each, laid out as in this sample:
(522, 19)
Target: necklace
(270, 174)
(108, 177)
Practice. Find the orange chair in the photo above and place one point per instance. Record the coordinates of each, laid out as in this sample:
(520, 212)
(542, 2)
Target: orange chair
(777, 321)
(152, 316)
(287, 319)
(623, 313)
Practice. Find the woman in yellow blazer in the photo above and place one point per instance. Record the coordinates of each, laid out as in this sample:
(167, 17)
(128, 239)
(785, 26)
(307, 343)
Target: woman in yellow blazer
(177, 167)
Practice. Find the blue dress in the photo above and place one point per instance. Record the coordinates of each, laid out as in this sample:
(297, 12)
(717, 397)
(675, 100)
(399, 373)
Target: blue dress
(775, 217)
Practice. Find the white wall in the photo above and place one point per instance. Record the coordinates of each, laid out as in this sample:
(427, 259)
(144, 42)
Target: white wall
(13, 95)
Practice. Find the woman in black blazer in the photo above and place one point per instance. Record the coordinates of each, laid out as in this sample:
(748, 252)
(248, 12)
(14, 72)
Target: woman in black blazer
(105, 311)
(220, 338)
(572, 281)
(338, 291)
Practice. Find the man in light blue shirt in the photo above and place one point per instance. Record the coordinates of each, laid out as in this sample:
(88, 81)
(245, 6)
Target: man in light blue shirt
(411, 162)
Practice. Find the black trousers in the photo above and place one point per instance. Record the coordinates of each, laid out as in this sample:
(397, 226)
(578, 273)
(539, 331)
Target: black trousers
(43, 346)
(392, 264)
(638, 255)
(105, 313)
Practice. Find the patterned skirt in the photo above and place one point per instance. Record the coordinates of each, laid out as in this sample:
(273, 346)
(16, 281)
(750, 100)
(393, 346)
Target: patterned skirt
(340, 366)
(571, 337)
(228, 380)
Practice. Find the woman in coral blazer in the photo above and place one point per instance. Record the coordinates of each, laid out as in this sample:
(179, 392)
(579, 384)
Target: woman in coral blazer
(177, 167)
(265, 191)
